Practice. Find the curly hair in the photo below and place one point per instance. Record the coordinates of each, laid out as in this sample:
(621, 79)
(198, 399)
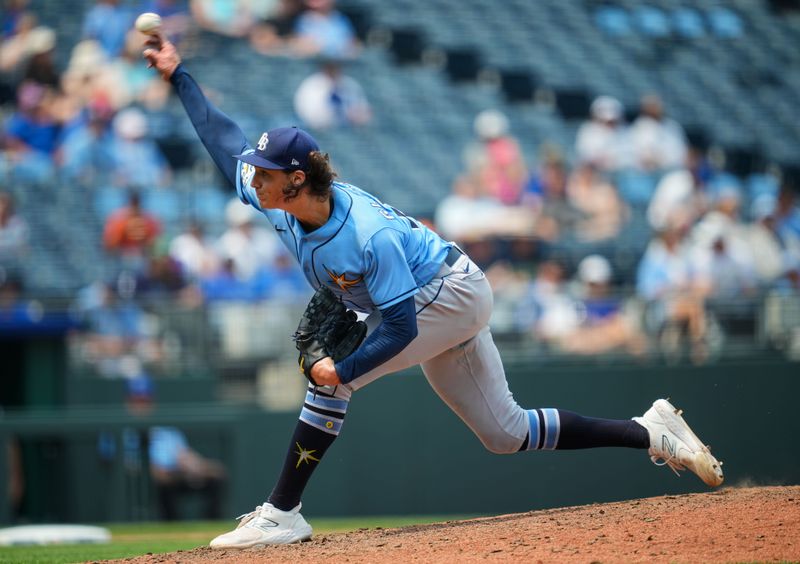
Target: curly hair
(319, 177)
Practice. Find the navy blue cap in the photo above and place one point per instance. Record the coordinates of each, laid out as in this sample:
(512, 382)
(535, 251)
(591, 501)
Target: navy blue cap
(283, 148)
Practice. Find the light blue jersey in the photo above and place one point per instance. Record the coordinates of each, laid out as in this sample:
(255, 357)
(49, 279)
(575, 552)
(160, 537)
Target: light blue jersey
(370, 254)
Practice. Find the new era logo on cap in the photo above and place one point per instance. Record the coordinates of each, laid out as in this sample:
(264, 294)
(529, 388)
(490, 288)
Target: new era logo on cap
(284, 148)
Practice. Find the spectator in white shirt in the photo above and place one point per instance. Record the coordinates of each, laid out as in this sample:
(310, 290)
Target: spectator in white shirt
(328, 99)
(602, 141)
(657, 142)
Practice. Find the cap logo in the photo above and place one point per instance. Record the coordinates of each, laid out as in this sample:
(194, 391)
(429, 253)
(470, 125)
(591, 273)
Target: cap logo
(295, 162)
(262, 142)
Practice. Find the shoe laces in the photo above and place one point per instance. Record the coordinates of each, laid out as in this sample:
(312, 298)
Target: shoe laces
(245, 518)
(672, 462)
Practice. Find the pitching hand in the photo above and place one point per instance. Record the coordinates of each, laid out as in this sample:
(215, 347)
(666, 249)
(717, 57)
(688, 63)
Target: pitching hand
(162, 55)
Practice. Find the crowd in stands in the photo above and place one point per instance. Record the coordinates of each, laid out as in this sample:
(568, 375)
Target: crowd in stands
(707, 237)
(715, 244)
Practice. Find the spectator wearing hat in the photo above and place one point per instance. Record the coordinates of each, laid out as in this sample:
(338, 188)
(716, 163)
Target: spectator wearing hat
(600, 323)
(603, 140)
(495, 159)
(176, 468)
(137, 159)
(329, 99)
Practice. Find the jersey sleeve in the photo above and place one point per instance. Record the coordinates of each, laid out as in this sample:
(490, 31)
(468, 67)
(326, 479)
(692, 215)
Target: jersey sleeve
(219, 134)
(388, 277)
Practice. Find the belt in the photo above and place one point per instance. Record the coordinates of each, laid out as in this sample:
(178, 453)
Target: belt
(453, 255)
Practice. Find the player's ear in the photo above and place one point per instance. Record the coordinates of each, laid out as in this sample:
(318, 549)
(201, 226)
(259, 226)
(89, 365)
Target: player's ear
(297, 178)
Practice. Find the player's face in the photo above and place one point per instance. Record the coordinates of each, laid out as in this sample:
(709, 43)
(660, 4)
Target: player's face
(269, 185)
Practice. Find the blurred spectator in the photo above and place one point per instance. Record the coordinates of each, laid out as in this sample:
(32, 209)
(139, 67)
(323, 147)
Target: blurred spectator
(666, 280)
(547, 310)
(601, 324)
(14, 311)
(681, 196)
(138, 161)
(787, 212)
(603, 141)
(130, 232)
(322, 30)
(116, 330)
(194, 252)
(32, 134)
(658, 142)
(592, 194)
(248, 246)
(273, 32)
(108, 21)
(176, 468)
(474, 219)
(232, 18)
(13, 231)
(722, 263)
(328, 99)
(225, 285)
(162, 281)
(547, 191)
(776, 261)
(88, 76)
(495, 159)
(85, 151)
(40, 66)
(283, 280)
(16, 47)
(132, 81)
(12, 12)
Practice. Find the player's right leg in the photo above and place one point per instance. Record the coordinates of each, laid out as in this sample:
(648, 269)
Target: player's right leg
(278, 520)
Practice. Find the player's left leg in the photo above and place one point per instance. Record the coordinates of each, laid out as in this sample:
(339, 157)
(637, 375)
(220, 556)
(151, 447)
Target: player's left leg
(470, 378)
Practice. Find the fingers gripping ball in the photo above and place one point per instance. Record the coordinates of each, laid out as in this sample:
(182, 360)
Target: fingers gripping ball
(148, 23)
(327, 328)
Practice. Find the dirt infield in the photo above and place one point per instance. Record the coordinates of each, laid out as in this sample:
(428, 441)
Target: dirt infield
(730, 525)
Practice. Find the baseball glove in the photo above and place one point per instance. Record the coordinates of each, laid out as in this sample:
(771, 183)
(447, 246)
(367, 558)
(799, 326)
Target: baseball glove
(327, 328)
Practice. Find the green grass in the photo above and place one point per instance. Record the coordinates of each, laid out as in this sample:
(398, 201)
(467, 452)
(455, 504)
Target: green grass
(136, 539)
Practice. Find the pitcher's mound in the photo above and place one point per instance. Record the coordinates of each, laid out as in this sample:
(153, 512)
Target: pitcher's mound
(728, 525)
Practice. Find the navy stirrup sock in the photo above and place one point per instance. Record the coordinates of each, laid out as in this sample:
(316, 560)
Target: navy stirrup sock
(320, 421)
(556, 429)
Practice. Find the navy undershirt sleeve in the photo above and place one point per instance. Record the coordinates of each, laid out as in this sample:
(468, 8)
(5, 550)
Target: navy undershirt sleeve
(397, 329)
(220, 135)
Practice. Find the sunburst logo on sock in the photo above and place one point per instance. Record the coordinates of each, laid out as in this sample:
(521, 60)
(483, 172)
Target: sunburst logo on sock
(304, 455)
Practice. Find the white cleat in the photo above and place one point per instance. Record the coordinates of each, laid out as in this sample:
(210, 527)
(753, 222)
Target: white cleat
(673, 443)
(264, 526)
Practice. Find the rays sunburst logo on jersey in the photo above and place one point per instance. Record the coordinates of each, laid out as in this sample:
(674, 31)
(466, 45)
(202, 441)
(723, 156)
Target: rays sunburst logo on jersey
(342, 281)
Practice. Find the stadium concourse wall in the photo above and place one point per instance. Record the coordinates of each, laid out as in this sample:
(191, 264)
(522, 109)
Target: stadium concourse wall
(404, 452)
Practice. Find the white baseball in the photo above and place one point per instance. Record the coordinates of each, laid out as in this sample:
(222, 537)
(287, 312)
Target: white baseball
(148, 23)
